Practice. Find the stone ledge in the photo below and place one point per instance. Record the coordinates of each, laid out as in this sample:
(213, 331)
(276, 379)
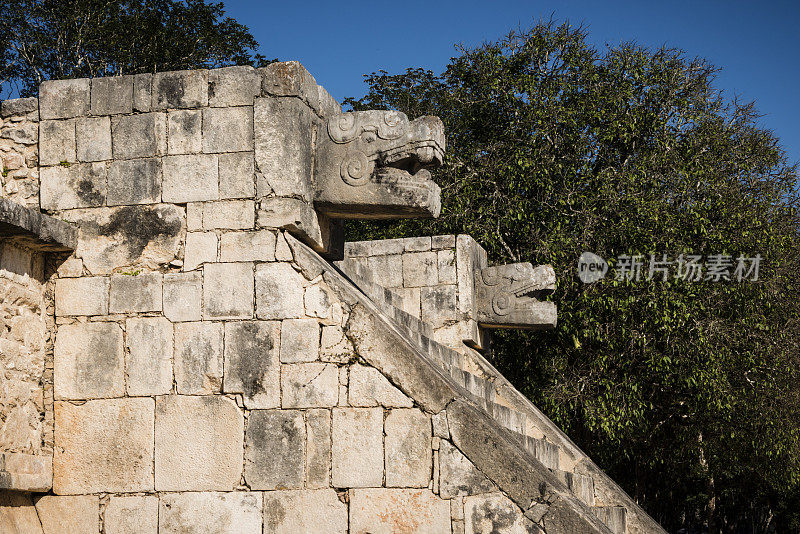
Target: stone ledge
(37, 230)
(26, 472)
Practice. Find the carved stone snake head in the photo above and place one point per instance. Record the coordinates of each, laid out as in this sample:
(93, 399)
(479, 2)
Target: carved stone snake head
(507, 296)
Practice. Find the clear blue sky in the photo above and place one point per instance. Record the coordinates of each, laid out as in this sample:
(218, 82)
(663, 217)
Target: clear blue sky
(756, 43)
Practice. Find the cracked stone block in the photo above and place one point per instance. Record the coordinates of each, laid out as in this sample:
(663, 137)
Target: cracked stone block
(134, 181)
(112, 95)
(93, 138)
(248, 246)
(368, 387)
(458, 477)
(136, 514)
(318, 448)
(334, 346)
(319, 302)
(79, 185)
(236, 175)
(233, 86)
(229, 214)
(135, 293)
(57, 142)
(82, 296)
(228, 129)
(275, 457)
(63, 99)
(185, 131)
(438, 305)
(183, 296)
(304, 511)
(387, 511)
(494, 512)
(201, 247)
(420, 269)
(198, 358)
(103, 446)
(251, 362)
(309, 385)
(279, 291)
(210, 513)
(408, 448)
(18, 514)
(149, 360)
(198, 443)
(88, 361)
(142, 92)
(357, 447)
(299, 340)
(190, 178)
(180, 89)
(228, 291)
(69, 514)
(139, 136)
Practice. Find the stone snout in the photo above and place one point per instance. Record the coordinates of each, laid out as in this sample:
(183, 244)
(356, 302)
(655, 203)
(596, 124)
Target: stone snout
(375, 165)
(508, 296)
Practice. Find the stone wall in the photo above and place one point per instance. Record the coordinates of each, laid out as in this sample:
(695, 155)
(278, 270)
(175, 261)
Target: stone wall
(19, 135)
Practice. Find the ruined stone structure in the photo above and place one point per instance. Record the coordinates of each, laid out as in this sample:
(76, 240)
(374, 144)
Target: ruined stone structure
(188, 346)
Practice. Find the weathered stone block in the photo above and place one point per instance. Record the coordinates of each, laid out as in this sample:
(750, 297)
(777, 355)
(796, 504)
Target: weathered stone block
(318, 449)
(458, 477)
(63, 99)
(368, 387)
(194, 216)
(494, 512)
(299, 340)
(228, 291)
(88, 361)
(229, 214)
(387, 269)
(69, 514)
(443, 241)
(20, 107)
(420, 269)
(309, 385)
(82, 296)
(387, 511)
(439, 424)
(251, 362)
(438, 305)
(228, 129)
(233, 86)
(18, 514)
(248, 246)
(135, 293)
(357, 448)
(411, 300)
(236, 175)
(319, 301)
(103, 446)
(93, 138)
(134, 181)
(210, 513)
(81, 185)
(112, 95)
(183, 296)
(201, 247)
(57, 142)
(290, 78)
(447, 266)
(132, 515)
(198, 443)
(291, 214)
(275, 457)
(408, 448)
(304, 511)
(139, 136)
(279, 291)
(180, 89)
(185, 131)
(417, 244)
(142, 92)
(198, 358)
(190, 178)
(149, 361)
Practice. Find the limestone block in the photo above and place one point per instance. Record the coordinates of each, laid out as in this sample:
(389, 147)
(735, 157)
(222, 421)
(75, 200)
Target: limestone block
(388, 511)
(82, 296)
(210, 513)
(251, 362)
(470, 257)
(18, 514)
(275, 457)
(439, 423)
(139, 136)
(236, 175)
(111, 95)
(194, 216)
(291, 214)
(282, 250)
(458, 477)
(103, 446)
(142, 92)
(190, 178)
(319, 302)
(334, 346)
(63, 99)
(279, 291)
(132, 515)
(408, 448)
(134, 181)
(357, 448)
(80, 185)
(229, 214)
(368, 387)
(388, 269)
(446, 260)
(318, 448)
(93, 138)
(88, 361)
(494, 512)
(201, 247)
(185, 131)
(198, 357)
(69, 514)
(420, 269)
(198, 443)
(290, 78)
(57, 142)
(438, 305)
(180, 89)
(183, 296)
(148, 364)
(417, 244)
(309, 385)
(228, 291)
(228, 129)
(233, 86)
(248, 246)
(411, 300)
(135, 293)
(299, 340)
(328, 106)
(19, 107)
(443, 241)
(304, 512)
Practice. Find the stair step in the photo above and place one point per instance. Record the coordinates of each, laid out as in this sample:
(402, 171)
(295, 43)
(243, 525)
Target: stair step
(613, 516)
(582, 486)
(544, 451)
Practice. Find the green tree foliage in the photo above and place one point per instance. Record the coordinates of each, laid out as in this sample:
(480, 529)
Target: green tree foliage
(686, 392)
(52, 39)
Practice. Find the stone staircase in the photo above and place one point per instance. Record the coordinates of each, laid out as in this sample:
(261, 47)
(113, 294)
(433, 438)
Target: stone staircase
(497, 397)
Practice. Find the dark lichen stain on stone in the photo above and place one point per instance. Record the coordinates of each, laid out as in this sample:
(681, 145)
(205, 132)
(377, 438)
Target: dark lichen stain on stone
(138, 226)
(171, 89)
(274, 514)
(498, 518)
(86, 191)
(252, 360)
